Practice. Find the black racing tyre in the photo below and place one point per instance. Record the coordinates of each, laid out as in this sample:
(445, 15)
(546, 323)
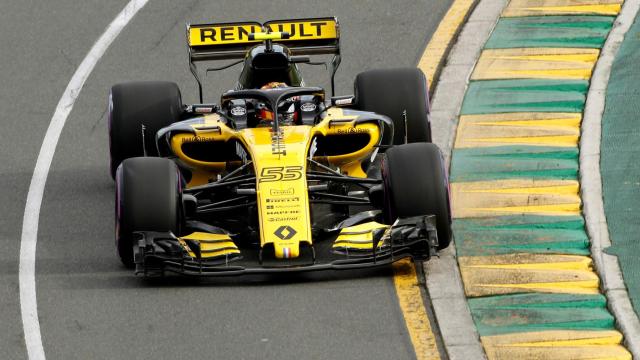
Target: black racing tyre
(154, 104)
(148, 198)
(392, 92)
(415, 183)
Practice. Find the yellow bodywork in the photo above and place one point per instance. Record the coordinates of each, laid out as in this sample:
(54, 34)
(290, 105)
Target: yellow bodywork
(280, 163)
(358, 237)
(211, 245)
(238, 33)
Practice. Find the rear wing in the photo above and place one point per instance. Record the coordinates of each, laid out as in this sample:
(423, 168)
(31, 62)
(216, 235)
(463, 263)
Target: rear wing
(231, 40)
(224, 41)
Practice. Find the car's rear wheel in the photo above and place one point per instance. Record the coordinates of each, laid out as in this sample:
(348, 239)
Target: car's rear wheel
(152, 104)
(399, 94)
(148, 198)
(415, 183)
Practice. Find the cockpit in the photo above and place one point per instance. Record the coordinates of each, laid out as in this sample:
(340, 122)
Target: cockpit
(274, 102)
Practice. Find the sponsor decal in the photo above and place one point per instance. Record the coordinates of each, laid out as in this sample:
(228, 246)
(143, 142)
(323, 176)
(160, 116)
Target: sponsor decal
(352, 131)
(278, 147)
(373, 154)
(313, 148)
(284, 212)
(280, 219)
(238, 111)
(222, 34)
(238, 33)
(306, 107)
(284, 200)
(282, 192)
(241, 152)
(294, 206)
(203, 110)
(283, 206)
(347, 101)
(285, 232)
(192, 139)
(302, 30)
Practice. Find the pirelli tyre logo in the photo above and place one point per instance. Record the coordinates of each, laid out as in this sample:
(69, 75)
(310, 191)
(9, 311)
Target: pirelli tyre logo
(238, 33)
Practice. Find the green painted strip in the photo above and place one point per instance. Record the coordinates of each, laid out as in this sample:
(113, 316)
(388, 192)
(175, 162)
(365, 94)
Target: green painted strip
(520, 152)
(576, 22)
(496, 322)
(508, 162)
(539, 85)
(540, 106)
(562, 174)
(524, 95)
(537, 312)
(520, 301)
(520, 234)
(550, 31)
(498, 242)
(524, 222)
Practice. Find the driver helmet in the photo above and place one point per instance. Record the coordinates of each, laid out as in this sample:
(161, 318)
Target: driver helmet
(286, 112)
(274, 85)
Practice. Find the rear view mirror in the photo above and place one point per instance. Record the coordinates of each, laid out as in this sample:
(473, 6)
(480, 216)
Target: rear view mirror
(344, 100)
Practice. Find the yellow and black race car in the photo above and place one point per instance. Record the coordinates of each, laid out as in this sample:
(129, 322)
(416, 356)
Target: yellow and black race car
(275, 177)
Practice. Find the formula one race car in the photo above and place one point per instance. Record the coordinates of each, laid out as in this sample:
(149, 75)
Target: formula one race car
(275, 177)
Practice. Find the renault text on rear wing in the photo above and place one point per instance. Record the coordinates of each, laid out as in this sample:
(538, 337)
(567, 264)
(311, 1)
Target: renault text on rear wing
(231, 40)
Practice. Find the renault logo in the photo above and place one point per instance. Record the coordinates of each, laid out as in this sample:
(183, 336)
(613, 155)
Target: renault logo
(285, 232)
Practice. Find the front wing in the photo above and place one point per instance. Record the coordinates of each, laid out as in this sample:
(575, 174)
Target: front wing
(157, 254)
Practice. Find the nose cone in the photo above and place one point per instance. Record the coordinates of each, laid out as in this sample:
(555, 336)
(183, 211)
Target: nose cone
(283, 246)
(288, 251)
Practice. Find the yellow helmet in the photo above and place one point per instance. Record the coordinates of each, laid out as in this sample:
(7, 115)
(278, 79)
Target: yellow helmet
(274, 85)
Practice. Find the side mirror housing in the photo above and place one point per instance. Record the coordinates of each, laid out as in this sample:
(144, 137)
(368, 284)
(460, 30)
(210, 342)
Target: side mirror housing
(343, 100)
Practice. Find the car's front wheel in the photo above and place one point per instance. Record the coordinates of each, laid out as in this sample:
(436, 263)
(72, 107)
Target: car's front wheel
(148, 198)
(415, 183)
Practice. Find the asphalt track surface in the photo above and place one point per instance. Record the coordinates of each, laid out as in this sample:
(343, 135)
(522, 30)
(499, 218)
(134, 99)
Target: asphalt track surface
(89, 305)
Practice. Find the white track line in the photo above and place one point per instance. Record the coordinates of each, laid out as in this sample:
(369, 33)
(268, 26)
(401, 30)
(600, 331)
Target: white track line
(27, 278)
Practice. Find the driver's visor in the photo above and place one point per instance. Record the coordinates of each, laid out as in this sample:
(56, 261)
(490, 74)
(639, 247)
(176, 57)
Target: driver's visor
(266, 114)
